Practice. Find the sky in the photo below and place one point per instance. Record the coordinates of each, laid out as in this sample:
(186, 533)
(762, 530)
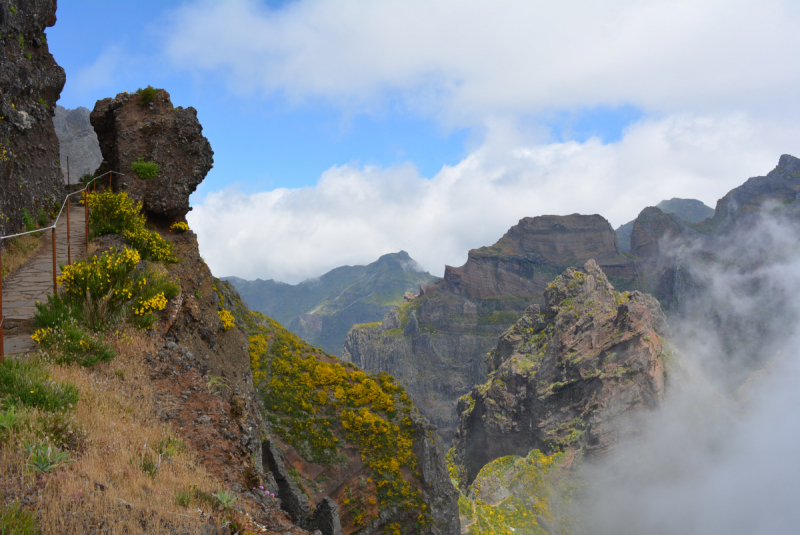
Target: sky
(344, 130)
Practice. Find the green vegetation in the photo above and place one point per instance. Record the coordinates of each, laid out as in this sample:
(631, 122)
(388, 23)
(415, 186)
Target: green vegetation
(498, 318)
(27, 384)
(42, 218)
(148, 96)
(28, 221)
(14, 520)
(44, 458)
(146, 170)
(12, 9)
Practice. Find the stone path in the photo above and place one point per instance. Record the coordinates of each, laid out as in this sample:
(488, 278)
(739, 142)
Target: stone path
(34, 281)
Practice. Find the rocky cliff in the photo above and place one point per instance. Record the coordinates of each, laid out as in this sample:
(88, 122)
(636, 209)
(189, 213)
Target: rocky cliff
(689, 210)
(435, 344)
(77, 142)
(30, 85)
(321, 311)
(567, 376)
(156, 133)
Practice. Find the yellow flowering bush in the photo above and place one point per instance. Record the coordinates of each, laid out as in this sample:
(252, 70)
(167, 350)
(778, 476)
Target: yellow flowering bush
(180, 226)
(227, 320)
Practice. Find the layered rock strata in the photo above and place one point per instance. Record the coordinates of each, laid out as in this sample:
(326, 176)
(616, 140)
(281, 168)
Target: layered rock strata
(30, 84)
(435, 344)
(160, 133)
(567, 376)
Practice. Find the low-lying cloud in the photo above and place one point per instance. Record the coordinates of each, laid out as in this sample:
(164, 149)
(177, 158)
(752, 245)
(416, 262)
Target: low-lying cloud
(355, 214)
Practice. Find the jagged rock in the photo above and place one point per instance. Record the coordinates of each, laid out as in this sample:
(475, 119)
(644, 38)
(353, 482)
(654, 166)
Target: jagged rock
(652, 227)
(689, 210)
(569, 377)
(444, 334)
(30, 84)
(161, 133)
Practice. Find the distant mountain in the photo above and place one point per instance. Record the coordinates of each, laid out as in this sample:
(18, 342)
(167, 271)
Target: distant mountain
(322, 311)
(690, 210)
(78, 141)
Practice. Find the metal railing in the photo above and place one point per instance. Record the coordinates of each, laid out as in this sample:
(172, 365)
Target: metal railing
(52, 227)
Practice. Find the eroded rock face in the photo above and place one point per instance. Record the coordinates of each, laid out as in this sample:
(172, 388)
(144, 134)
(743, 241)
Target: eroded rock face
(568, 375)
(77, 142)
(435, 344)
(30, 84)
(161, 133)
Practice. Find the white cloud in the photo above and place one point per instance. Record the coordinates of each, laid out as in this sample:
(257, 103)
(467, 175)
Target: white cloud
(353, 215)
(103, 73)
(469, 61)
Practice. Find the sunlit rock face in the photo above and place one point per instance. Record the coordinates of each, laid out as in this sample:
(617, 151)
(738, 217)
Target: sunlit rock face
(567, 377)
(30, 84)
(157, 132)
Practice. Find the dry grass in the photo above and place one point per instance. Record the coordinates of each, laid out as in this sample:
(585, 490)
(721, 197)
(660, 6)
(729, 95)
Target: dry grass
(104, 487)
(17, 251)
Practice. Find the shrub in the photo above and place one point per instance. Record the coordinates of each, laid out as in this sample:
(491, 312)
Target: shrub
(147, 170)
(14, 520)
(86, 178)
(148, 95)
(26, 383)
(73, 345)
(28, 221)
(42, 219)
(227, 320)
(44, 458)
(179, 227)
(114, 213)
(150, 244)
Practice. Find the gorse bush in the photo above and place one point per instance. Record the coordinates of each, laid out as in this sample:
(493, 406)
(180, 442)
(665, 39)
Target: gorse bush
(180, 226)
(116, 213)
(27, 384)
(73, 345)
(147, 94)
(146, 170)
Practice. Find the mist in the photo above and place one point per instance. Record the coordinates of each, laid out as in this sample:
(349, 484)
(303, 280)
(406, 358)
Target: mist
(720, 455)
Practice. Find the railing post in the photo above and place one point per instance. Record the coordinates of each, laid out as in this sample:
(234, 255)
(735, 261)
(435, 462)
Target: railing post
(55, 284)
(69, 250)
(2, 327)
(110, 174)
(86, 218)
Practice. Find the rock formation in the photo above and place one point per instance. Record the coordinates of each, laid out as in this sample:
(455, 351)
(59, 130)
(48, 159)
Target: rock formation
(689, 210)
(321, 311)
(77, 142)
(435, 344)
(568, 376)
(30, 85)
(158, 132)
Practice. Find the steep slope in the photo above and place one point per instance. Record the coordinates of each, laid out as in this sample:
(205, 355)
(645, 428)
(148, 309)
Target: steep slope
(565, 381)
(352, 442)
(30, 84)
(690, 210)
(435, 344)
(322, 311)
(77, 141)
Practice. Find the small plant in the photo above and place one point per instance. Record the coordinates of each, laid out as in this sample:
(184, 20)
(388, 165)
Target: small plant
(228, 322)
(8, 422)
(12, 9)
(224, 498)
(180, 226)
(215, 383)
(86, 178)
(184, 497)
(148, 95)
(45, 458)
(42, 101)
(15, 520)
(42, 218)
(120, 373)
(28, 56)
(21, 41)
(28, 384)
(44, 39)
(146, 170)
(28, 221)
(149, 465)
(197, 294)
(169, 447)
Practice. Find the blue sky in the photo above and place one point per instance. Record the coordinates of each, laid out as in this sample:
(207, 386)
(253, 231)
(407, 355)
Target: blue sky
(353, 129)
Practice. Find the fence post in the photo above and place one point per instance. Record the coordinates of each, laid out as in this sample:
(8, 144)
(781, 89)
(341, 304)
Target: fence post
(55, 285)
(2, 327)
(110, 174)
(86, 218)
(69, 249)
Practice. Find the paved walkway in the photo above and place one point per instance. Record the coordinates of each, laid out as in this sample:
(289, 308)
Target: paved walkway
(34, 281)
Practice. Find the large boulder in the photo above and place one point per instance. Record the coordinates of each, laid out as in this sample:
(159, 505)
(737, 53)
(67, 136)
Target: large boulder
(158, 132)
(30, 84)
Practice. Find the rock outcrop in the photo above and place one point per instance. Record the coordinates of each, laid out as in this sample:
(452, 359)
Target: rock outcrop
(435, 344)
(321, 311)
(30, 84)
(77, 142)
(689, 210)
(158, 132)
(568, 376)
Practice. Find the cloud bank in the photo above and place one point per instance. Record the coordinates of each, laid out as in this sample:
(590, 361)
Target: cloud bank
(355, 214)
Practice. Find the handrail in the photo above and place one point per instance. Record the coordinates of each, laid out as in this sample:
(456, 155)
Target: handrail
(53, 227)
(61, 210)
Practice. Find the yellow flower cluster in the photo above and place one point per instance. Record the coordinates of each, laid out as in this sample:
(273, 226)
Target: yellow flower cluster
(101, 276)
(227, 320)
(180, 226)
(154, 304)
(151, 244)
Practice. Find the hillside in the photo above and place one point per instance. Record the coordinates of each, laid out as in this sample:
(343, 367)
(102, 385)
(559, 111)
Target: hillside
(322, 311)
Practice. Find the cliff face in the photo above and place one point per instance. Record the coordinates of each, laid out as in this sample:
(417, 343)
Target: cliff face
(689, 210)
(435, 344)
(322, 311)
(160, 133)
(567, 377)
(30, 84)
(77, 142)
